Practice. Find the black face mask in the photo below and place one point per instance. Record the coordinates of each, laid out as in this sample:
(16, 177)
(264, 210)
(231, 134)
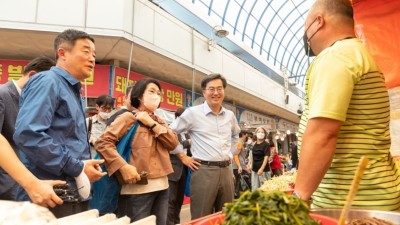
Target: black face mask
(307, 48)
(306, 40)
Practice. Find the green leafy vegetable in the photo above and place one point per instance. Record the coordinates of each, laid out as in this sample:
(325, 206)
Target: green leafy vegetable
(267, 208)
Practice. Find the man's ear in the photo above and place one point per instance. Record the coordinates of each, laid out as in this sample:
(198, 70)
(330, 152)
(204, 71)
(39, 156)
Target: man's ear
(61, 53)
(31, 73)
(321, 21)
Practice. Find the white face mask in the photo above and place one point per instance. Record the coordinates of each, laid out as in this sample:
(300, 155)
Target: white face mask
(260, 135)
(104, 115)
(151, 101)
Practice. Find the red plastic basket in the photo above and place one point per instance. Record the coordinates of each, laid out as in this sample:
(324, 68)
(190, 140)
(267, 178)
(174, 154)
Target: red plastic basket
(218, 218)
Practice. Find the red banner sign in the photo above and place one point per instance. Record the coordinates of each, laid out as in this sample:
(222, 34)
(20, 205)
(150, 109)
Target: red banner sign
(172, 96)
(121, 82)
(98, 83)
(11, 70)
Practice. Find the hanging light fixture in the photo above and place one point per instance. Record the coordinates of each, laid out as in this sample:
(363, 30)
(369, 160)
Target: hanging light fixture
(218, 31)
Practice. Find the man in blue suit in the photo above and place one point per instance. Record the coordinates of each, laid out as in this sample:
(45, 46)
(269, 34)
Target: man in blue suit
(51, 132)
(9, 107)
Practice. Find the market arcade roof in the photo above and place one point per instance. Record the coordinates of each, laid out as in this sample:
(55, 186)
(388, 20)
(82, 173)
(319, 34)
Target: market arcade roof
(272, 29)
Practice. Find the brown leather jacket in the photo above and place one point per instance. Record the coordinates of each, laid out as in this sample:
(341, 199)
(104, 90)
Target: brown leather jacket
(150, 149)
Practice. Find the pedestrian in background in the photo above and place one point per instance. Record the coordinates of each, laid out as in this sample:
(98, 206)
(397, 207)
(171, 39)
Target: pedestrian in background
(181, 161)
(96, 124)
(261, 170)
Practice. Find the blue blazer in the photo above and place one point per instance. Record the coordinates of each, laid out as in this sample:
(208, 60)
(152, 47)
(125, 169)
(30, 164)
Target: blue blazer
(9, 107)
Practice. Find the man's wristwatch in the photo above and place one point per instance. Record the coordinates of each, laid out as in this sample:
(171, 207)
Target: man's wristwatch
(152, 126)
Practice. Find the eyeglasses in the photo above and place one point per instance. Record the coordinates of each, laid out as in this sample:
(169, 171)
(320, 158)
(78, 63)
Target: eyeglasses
(213, 89)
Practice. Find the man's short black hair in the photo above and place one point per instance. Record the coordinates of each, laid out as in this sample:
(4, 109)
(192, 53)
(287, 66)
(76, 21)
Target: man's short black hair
(39, 64)
(139, 88)
(105, 100)
(68, 38)
(211, 77)
(179, 112)
(242, 132)
(271, 144)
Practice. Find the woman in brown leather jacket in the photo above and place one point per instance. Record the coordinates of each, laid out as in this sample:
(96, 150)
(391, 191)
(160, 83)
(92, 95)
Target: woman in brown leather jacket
(151, 144)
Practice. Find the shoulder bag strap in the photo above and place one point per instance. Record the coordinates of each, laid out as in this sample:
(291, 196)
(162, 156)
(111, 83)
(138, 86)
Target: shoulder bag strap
(124, 145)
(90, 127)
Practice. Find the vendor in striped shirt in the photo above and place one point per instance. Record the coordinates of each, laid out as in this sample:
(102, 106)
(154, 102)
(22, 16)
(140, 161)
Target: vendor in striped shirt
(346, 117)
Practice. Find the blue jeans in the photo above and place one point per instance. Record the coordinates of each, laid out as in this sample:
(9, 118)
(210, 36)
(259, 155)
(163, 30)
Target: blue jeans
(257, 181)
(140, 206)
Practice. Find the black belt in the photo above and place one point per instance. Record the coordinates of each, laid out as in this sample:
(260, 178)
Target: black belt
(216, 163)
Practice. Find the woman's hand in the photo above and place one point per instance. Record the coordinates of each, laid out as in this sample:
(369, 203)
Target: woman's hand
(144, 118)
(129, 174)
(260, 172)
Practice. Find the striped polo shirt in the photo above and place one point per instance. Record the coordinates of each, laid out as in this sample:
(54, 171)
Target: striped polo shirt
(345, 84)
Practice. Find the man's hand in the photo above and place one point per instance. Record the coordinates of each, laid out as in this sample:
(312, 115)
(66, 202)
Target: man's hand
(240, 170)
(129, 174)
(248, 169)
(93, 170)
(189, 162)
(260, 172)
(41, 192)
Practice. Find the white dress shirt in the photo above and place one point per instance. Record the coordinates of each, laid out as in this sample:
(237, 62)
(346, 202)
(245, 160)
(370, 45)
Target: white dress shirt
(213, 136)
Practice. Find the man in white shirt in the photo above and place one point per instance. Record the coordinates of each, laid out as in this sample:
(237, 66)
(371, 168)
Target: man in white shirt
(214, 133)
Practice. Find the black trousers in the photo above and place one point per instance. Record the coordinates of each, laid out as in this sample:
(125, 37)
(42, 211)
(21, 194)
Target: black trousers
(237, 182)
(176, 194)
(67, 209)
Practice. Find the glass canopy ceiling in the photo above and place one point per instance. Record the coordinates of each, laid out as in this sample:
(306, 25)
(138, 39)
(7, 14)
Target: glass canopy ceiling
(272, 29)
